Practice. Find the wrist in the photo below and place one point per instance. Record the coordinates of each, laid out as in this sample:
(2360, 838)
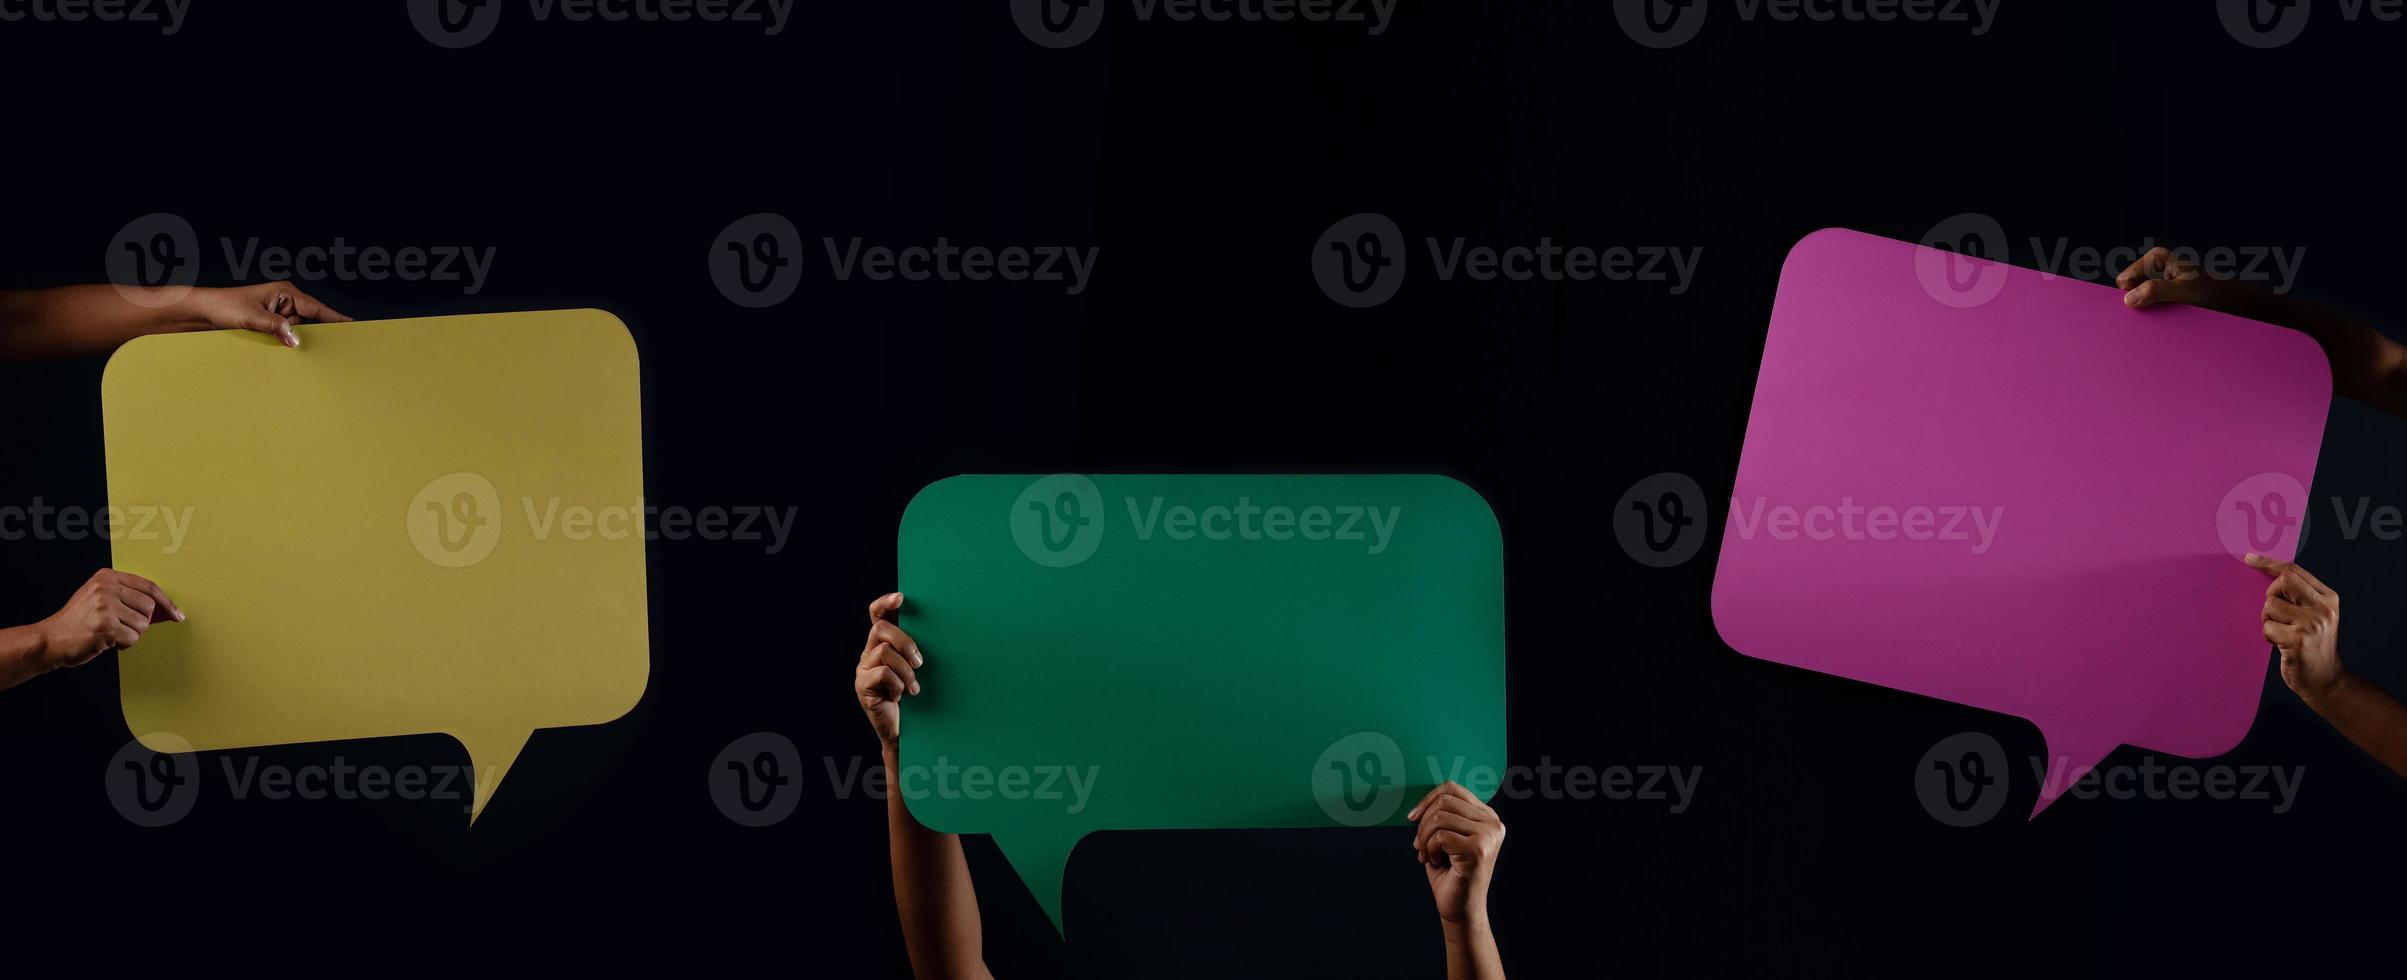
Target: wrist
(2328, 696)
(27, 648)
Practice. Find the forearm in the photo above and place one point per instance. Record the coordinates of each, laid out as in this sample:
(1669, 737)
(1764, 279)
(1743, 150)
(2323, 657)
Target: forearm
(932, 892)
(71, 321)
(1471, 950)
(22, 657)
(2366, 366)
(2368, 716)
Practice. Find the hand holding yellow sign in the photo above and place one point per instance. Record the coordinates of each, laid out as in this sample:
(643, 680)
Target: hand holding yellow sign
(406, 527)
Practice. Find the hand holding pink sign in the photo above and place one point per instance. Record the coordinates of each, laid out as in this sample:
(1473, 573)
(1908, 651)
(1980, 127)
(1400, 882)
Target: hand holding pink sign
(2008, 490)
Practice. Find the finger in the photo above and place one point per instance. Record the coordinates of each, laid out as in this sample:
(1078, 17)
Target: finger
(2279, 610)
(300, 304)
(1453, 844)
(134, 599)
(885, 655)
(1449, 788)
(2310, 579)
(883, 608)
(262, 320)
(2146, 267)
(2156, 291)
(1472, 810)
(892, 635)
(2290, 586)
(1432, 846)
(879, 682)
(152, 589)
(1433, 822)
(121, 636)
(128, 613)
(2282, 635)
(2272, 567)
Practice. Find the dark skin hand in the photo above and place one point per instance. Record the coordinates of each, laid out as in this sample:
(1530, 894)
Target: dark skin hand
(73, 321)
(932, 890)
(2301, 615)
(1458, 839)
(2366, 365)
(2302, 619)
(112, 610)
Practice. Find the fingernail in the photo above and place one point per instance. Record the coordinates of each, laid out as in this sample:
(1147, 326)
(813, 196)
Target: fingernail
(917, 660)
(915, 687)
(179, 615)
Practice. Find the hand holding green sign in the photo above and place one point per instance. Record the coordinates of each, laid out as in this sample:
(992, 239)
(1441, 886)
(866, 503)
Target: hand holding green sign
(1196, 652)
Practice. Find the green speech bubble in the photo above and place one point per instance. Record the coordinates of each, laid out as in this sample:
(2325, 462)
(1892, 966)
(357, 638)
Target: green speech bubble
(1153, 652)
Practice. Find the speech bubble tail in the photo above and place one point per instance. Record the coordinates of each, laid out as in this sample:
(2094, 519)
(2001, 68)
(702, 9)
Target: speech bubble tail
(489, 757)
(1041, 857)
(2070, 757)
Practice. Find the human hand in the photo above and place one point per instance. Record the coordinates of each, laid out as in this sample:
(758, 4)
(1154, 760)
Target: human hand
(888, 670)
(269, 308)
(1458, 839)
(2164, 277)
(2302, 618)
(112, 609)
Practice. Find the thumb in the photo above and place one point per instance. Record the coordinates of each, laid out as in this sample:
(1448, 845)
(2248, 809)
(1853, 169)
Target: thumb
(2155, 291)
(261, 321)
(2269, 566)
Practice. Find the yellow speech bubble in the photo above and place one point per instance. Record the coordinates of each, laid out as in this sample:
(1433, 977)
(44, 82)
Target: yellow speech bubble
(404, 527)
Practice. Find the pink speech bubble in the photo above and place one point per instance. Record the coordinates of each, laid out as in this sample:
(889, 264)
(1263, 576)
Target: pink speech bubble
(2005, 489)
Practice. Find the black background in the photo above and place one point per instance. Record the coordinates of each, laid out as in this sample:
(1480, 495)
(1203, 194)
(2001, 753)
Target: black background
(600, 160)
